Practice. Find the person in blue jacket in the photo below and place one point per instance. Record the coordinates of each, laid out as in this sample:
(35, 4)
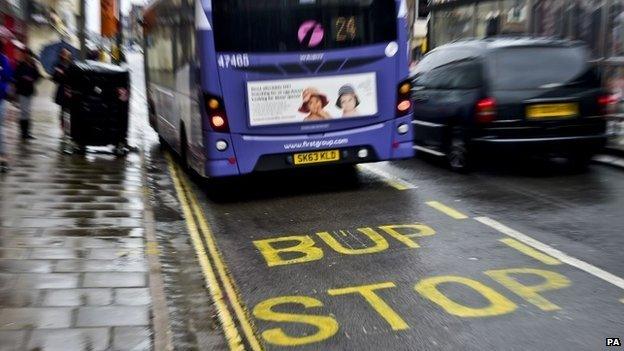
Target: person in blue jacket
(6, 76)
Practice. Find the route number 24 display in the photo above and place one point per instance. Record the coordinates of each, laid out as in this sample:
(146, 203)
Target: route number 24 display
(238, 60)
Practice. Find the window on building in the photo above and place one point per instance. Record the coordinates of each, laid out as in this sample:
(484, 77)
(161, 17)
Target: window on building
(452, 24)
(616, 29)
(488, 19)
(514, 16)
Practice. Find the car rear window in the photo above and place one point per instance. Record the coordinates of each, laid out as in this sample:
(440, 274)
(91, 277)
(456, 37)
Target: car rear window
(526, 68)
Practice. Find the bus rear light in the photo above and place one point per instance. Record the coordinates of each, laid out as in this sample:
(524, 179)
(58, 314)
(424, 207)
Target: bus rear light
(216, 114)
(402, 128)
(404, 106)
(232, 160)
(485, 110)
(405, 88)
(217, 121)
(213, 104)
(221, 145)
(404, 103)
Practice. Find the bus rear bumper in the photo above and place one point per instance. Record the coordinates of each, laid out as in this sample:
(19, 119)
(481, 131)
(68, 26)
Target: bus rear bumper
(381, 141)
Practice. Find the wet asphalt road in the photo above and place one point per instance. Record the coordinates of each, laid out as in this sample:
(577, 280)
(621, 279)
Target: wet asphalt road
(340, 259)
(577, 214)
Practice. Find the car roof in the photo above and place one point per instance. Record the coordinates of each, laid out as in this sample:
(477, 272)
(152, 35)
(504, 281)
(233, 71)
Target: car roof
(478, 47)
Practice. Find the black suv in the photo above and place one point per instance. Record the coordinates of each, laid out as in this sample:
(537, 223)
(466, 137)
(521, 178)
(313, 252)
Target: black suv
(509, 94)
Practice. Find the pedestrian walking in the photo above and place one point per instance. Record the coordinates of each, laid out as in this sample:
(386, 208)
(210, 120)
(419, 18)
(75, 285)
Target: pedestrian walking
(5, 79)
(26, 76)
(60, 77)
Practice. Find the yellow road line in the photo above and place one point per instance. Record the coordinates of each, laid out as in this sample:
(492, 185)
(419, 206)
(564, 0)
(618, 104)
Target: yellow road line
(529, 251)
(228, 284)
(451, 212)
(396, 185)
(388, 178)
(227, 322)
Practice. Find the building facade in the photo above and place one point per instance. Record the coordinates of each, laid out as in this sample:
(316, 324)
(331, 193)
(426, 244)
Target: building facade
(598, 23)
(50, 21)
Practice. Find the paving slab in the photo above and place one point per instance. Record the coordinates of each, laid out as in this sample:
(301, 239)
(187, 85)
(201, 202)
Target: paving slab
(132, 296)
(35, 318)
(12, 340)
(77, 297)
(26, 266)
(47, 281)
(70, 339)
(111, 316)
(114, 280)
(132, 338)
(19, 298)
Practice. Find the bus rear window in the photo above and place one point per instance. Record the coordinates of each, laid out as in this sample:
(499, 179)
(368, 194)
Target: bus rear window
(542, 67)
(301, 25)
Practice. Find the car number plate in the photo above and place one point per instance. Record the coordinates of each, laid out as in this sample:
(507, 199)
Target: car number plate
(316, 157)
(552, 111)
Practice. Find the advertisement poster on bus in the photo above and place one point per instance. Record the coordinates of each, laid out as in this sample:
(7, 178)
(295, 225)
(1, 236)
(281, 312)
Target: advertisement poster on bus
(312, 99)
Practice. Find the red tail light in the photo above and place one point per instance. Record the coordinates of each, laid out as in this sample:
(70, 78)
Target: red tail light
(485, 110)
(607, 104)
(404, 101)
(216, 114)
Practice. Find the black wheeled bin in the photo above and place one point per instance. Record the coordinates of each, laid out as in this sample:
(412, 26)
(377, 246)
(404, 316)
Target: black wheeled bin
(98, 105)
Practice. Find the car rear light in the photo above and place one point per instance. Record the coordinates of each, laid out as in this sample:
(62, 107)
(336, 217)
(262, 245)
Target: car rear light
(404, 103)
(485, 110)
(216, 114)
(607, 104)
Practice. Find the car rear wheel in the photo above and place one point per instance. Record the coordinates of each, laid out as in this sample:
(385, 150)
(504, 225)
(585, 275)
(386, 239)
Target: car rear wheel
(458, 157)
(580, 162)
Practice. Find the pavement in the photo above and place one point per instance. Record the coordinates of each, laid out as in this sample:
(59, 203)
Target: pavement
(73, 267)
(131, 253)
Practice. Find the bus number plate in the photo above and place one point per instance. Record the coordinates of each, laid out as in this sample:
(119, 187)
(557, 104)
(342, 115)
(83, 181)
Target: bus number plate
(316, 157)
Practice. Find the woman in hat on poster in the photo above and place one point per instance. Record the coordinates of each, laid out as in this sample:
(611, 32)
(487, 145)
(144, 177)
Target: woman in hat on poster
(313, 104)
(348, 101)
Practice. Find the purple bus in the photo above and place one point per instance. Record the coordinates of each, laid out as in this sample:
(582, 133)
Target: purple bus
(239, 86)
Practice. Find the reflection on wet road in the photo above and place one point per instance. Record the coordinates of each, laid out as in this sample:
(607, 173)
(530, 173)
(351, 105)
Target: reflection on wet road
(408, 255)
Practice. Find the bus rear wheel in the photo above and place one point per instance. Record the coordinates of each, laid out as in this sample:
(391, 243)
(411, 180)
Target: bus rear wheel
(184, 150)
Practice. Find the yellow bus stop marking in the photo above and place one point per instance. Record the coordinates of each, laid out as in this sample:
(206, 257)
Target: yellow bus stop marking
(529, 251)
(451, 212)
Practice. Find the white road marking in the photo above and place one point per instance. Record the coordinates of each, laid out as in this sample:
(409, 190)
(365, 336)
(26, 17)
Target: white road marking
(611, 160)
(390, 179)
(582, 265)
